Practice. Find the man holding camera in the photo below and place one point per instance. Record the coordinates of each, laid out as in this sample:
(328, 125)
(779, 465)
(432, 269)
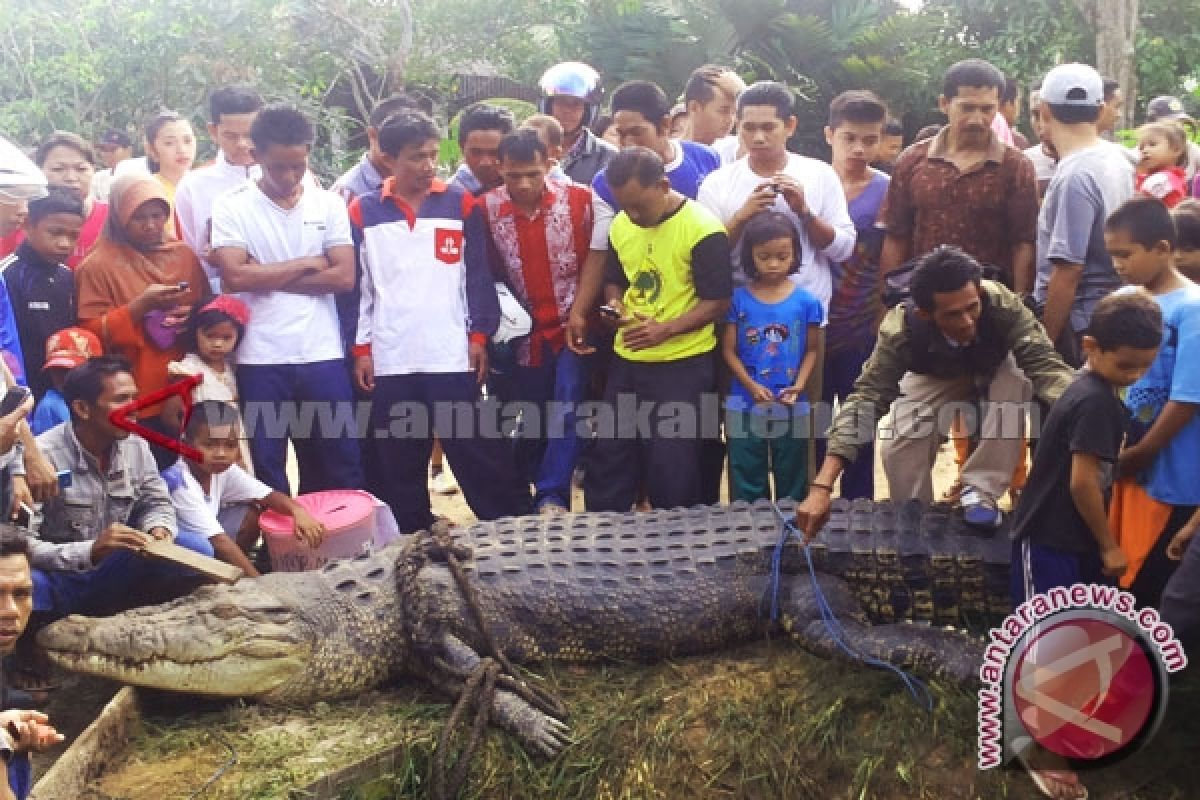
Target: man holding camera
(772, 179)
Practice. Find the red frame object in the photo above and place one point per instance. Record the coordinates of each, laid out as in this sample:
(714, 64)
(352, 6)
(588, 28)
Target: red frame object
(122, 416)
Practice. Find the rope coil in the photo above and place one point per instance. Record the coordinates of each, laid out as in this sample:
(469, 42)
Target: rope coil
(476, 687)
(916, 687)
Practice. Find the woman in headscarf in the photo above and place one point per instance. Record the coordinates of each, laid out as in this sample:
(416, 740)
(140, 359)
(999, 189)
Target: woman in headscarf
(136, 288)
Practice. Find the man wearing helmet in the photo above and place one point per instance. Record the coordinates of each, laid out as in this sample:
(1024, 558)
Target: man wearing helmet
(572, 96)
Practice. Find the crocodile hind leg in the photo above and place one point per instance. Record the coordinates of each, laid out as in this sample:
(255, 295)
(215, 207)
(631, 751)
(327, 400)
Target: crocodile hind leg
(538, 732)
(930, 651)
(948, 654)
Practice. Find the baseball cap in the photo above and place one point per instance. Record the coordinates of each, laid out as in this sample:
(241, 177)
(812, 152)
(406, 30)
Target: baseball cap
(1073, 85)
(1165, 107)
(71, 347)
(114, 138)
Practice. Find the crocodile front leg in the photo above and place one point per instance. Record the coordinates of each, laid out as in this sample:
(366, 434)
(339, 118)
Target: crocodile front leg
(538, 732)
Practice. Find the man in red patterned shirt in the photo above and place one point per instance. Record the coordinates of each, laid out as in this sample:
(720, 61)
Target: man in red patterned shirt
(541, 228)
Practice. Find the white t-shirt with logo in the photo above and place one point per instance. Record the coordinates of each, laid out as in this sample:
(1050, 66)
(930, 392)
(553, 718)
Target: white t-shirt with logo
(285, 327)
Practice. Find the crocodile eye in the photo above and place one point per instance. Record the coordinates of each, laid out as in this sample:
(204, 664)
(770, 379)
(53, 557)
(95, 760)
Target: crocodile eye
(226, 611)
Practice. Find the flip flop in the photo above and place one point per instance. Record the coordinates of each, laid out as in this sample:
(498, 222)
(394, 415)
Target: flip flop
(1042, 780)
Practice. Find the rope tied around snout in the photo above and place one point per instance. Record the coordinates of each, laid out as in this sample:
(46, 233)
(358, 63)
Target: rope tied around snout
(476, 687)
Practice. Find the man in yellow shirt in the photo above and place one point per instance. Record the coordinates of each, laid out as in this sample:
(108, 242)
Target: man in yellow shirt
(667, 280)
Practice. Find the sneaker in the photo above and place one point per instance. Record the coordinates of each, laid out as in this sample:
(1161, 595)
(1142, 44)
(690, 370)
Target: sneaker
(979, 509)
(442, 482)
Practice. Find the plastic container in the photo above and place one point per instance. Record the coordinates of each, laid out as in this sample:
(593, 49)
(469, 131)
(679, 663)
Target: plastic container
(349, 517)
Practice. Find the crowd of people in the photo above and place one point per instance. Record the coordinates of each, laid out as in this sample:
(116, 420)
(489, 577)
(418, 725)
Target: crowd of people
(712, 300)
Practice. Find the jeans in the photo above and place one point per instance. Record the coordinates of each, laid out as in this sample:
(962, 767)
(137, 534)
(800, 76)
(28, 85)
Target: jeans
(328, 459)
(842, 368)
(549, 445)
(58, 593)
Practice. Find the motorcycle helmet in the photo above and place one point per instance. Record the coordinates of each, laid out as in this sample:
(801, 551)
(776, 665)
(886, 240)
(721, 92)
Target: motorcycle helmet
(20, 178)
(572, 79)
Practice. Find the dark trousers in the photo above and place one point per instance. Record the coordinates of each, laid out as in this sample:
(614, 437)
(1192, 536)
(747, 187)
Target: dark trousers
(548, 447)
(406, 412)
(650, 450)
(311, 404)
(842, 368)
(1180, 606)
(1157, 569)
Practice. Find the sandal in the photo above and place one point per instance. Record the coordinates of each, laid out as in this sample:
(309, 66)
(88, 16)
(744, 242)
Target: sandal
(1052, 783)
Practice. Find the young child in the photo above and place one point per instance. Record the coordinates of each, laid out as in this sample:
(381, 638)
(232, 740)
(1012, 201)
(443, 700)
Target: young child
(550, 132)
(1159, 487)
(213, 334)
(202, 491)
(1186, 217)
(40, 286)
(1060, 531)
(1164, 154)
(771, 348)
(65, 350)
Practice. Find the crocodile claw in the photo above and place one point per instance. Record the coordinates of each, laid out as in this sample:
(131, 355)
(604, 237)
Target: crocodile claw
(548, 736)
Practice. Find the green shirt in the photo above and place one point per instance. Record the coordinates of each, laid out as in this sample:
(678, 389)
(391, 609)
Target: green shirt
(668, 270)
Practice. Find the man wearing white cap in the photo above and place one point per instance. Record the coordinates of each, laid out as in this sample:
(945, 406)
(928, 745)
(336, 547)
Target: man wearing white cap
(1074, 269)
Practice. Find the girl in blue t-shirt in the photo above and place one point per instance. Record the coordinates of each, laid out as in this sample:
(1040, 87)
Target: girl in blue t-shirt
(770, 347)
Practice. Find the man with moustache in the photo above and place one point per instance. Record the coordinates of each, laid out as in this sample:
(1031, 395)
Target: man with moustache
(964, 187)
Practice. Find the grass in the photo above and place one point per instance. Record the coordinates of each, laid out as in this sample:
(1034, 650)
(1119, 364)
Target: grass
(765, 721)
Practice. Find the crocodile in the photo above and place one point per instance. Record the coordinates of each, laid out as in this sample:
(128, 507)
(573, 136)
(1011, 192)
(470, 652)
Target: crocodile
(578, 589)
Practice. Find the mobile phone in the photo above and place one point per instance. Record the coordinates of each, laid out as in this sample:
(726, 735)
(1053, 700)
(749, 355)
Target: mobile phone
(183, 285)
(610, 312)
(64, 479)
(13, 399)
(24, 516)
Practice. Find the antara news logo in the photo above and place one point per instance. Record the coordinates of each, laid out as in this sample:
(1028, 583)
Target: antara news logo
(1081, 671)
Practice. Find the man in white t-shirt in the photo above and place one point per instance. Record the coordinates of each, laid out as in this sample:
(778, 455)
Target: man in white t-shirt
(286, 246)
(711, 95)
(232, 110)
(772, 178)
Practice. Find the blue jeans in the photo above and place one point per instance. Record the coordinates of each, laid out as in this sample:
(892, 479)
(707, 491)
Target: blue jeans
(326, 452)
(60, 592)
(549, 446)
(842, 368)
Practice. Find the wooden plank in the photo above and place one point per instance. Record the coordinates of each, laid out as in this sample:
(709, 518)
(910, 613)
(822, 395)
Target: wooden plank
(333, 785)
(90, 754)
(211, 567)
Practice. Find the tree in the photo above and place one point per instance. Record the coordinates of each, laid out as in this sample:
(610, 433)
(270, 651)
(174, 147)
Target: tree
(1114, 23)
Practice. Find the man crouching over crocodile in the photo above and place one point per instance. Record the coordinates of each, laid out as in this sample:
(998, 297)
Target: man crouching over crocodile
(575, 589)
(959, 340)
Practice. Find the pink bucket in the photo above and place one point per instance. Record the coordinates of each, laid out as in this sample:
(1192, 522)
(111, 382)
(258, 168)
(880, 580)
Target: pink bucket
(349, 517)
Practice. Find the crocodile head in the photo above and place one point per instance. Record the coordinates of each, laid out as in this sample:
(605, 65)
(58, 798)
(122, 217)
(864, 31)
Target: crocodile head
(234, 641)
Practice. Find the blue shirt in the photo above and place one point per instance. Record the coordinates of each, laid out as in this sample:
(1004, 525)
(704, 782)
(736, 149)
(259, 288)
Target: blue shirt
(771, 341)
(686, 173)
(51, 410)
(1174, 475)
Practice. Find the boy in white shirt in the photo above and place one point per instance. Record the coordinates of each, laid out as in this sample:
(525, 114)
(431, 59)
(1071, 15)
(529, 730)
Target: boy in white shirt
(232, 110)
(201, 490)
(286, 246)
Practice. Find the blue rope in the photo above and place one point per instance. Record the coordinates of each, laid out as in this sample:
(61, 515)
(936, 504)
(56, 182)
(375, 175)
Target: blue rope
(917, 688)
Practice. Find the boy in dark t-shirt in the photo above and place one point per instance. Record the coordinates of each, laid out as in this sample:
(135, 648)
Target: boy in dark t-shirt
(1060, 543)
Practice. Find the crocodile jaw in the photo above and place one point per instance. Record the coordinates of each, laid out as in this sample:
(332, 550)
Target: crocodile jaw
(221, 641)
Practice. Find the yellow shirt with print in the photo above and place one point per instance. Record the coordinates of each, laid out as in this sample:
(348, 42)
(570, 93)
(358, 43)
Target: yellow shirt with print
(658, 264)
